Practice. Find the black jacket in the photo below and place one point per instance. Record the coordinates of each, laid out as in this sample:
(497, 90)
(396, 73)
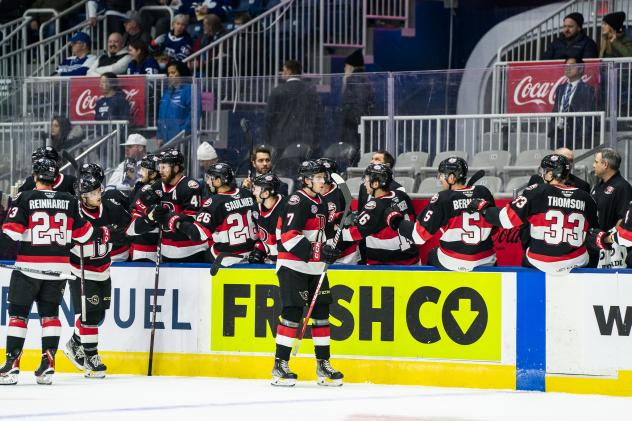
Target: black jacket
(580, 46)
(578, 133)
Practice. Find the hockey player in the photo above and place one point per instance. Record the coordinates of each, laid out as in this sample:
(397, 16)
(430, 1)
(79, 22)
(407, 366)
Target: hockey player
(45, 223)
(331, 194)
(466, 238)
(143, 247)
(65, 183)
(384, 246)
(302, 256)
(81, 349)
(271, 204)
(558, 216)
(226, 219)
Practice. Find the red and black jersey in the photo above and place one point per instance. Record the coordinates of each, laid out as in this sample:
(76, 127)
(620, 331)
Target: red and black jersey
(383, 245)
(120, 244)
(559, 218)
(303, 221)
(267, 221)
(350, 254)
(97, 253)
(45, 222)
(226, 221)
(63, 182)
(142, 232)
(466, 240)
(185, 198)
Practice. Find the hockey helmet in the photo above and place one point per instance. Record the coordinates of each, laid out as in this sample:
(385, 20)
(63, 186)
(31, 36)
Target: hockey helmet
(172, 157)
(269, 182)
(308, 169)
(93, 169)
(454, 165)
(379, 172)
(558, 164)
(223, 171)
(46, 170)
(45, 152)
(87, 183)
(329, 165)
(150, 161)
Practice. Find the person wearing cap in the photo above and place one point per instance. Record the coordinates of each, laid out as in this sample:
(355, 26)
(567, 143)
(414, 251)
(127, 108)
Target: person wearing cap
(572, 42)
(135, 147)
(115, 60)
(206, 156)
(358, 98)
(614, 41)
(81, 59)
(134, 29)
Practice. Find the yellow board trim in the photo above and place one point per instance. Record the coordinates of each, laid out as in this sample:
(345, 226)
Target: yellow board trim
(481, 376)
(621, 386)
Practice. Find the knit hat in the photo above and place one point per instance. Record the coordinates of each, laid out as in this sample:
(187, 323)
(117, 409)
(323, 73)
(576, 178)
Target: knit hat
(206, 152)
(577, 17)
(615, 20)
(355, 59)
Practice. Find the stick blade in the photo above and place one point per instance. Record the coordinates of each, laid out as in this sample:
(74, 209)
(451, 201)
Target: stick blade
(475, 177)
(344, 188)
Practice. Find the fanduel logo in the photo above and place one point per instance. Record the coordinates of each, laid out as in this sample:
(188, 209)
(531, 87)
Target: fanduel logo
(606, 325)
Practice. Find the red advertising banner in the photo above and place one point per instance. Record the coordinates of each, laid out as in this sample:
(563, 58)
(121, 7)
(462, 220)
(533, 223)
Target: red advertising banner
(85, 92)
(531, 85)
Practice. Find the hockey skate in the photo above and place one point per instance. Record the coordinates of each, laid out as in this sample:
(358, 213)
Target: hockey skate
(94, 368)
(44, 373)
(327, 375)
(11, 368)
(281, 374)
(74, 352)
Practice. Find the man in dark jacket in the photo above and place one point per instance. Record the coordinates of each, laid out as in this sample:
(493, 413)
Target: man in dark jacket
(294, 111)
(573, 42)
(358, 99)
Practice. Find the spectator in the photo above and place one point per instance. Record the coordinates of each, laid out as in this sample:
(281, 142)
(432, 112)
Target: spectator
(142, 62)
(573, 42)
(175, 111)
(379, 157)
(112, 105)
(573, 96)
(294, 111)
(134, 150)
(206, 156)
(134, 29)
(115, 60)
(81, 59)
(261, 160)
(614, 41)
(358, 98)
(213, 30)
(177, 43)
(62, 134)
(163, 61)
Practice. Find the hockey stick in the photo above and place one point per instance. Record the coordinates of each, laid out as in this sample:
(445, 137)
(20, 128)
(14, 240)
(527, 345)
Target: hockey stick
(475, 177)
(71, 160)
(217, 264)
(59, 275)
(82, 285)
(153, 310)
(347, 196)
(245, 127)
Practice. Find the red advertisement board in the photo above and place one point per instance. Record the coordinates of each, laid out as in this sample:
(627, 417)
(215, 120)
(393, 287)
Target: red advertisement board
(531, 85)
(85, 92)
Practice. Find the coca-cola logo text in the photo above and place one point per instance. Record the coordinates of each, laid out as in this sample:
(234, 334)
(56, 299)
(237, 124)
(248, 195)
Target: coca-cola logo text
(87, 102)
(529, 92)
(507, 236)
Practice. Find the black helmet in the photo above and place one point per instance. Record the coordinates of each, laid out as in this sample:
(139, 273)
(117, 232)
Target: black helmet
(223, 171)
(46, 170)
(173, 157)
(308, 169)
(379, 172)
(454, 165)
(150, 161)
(87, 183)
(130, 164)
(558, 164)
(268, 182)
(329, 165)
(92, 169)
(45, 152)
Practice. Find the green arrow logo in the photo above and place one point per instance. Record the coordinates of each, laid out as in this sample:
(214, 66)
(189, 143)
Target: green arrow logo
(464, 316)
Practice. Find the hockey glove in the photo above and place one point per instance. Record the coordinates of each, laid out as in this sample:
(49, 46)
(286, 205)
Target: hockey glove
(329, 254)
(477, 205)
(350, 220)
(257, 257)
(394, 217)
(596, 240)
(148, 197)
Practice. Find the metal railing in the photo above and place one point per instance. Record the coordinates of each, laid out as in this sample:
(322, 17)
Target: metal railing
(106, 148)
(485, 132)
(388, 10)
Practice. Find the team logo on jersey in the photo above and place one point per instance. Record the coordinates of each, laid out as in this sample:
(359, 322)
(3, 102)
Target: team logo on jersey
(609, 190)
(193, 184)
(468, 193)
(114, 201)
(568, 193)
(94, 300)
(263, 234)
(159, 193)
(370, 205)
(304, 295)
(434, 198)
(331, 206)
(207, 203)
(294, 200)
(314, 208)
(50, 195)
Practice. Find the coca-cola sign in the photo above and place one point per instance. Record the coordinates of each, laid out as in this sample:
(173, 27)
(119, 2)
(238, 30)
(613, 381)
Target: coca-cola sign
(85, 92)
(531, 86)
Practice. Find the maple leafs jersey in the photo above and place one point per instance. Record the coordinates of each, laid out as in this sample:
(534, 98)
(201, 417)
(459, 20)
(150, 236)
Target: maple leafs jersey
(466, 240)
(267, 220)
(63, 182)
(97, 253)
(559, 218)
(383, 245)
(349, 252)
(45, 222)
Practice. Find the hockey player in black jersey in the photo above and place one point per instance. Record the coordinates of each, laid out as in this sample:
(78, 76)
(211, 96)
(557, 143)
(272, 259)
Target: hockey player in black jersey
(559, 218)
(226, 219)
(466, 238)
(45, 222)
(112, 217)
(62, 182)
(143, 247)
(301, 234)
(266, 192)
(384, 245)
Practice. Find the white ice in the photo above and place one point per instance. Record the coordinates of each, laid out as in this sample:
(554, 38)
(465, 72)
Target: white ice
(118, 398)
